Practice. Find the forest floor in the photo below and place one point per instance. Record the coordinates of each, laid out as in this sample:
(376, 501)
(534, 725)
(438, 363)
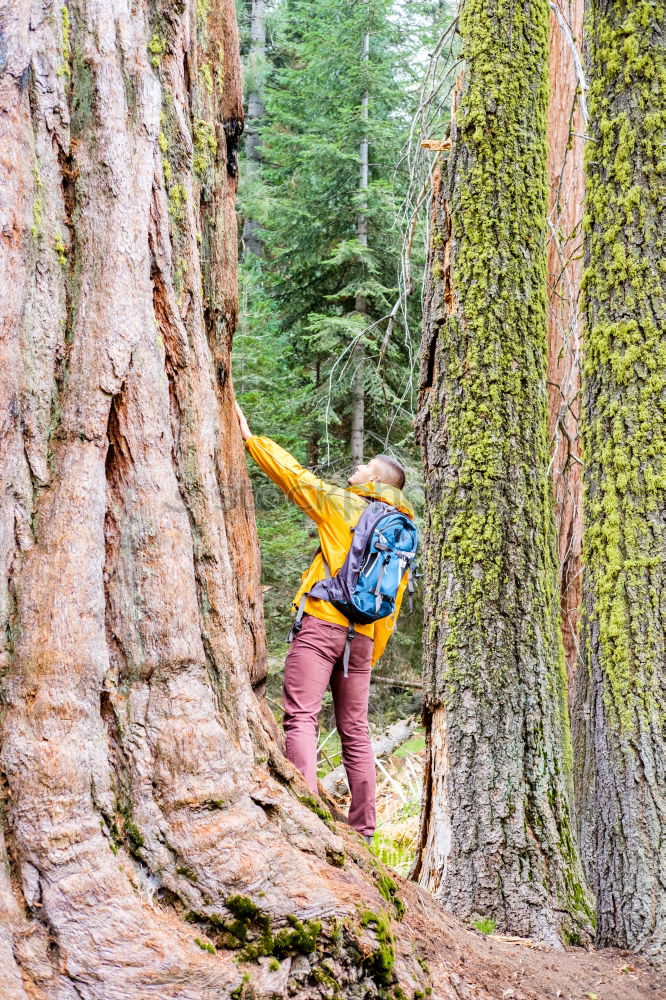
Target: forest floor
(574, 974)
(571, 974)
(521, 968)
(479, 966)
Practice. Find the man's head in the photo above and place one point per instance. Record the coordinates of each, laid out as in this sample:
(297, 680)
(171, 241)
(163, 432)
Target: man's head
(381, 468)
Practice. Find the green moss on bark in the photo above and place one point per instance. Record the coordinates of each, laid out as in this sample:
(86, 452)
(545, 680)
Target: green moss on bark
(205, 146)
(205, 945)
(494, 658)
(389, 890)
(156, 49)
(625, 352)
(250, 931)
(318, 809)
(64, 68)
(82, 89)
(498, 372)
(621, 687)
(381, 959)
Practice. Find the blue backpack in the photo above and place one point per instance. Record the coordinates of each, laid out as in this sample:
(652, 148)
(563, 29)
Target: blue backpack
(364, 589)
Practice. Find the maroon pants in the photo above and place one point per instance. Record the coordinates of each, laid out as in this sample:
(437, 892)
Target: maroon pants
(313, 662)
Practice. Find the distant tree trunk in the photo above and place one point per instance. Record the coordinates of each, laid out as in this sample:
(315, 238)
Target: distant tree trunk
(314, 441)
(358, 404)
(566, 125)
(620, 703)
(255, 113)
(358, 357)
(497, 839)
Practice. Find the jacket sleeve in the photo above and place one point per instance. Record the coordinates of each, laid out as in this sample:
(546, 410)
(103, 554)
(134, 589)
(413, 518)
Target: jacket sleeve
(385, 626)
(302, 487)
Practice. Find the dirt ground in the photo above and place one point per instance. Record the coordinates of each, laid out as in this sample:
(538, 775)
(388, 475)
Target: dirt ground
(576, 974)
(491, 967)
(467, 965)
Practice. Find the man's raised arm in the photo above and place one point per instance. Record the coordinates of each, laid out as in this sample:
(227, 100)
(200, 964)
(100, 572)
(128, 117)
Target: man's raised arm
(314, 496)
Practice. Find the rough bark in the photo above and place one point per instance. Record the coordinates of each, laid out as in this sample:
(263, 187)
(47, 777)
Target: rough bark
(153, 841)
(497, 837)
(621, 689)
(566, 126)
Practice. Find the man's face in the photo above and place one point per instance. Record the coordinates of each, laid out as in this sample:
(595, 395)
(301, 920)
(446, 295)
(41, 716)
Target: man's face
(364, 473)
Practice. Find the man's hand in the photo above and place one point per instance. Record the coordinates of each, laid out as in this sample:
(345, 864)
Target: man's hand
(244, 428)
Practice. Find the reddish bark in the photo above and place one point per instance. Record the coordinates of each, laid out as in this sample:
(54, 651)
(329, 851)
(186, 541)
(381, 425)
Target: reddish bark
(565, 214)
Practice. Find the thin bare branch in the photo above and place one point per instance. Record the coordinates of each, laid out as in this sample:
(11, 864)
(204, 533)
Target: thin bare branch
(578, 66)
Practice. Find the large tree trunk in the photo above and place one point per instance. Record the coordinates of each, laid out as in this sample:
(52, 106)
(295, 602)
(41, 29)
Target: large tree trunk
(621, 690)
(153, 841)
(497, 837)
(566, 125)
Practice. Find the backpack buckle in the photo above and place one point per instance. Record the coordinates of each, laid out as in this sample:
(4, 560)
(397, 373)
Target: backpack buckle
(294, 630)
(351, 632)
(296, 626)
(298, 621)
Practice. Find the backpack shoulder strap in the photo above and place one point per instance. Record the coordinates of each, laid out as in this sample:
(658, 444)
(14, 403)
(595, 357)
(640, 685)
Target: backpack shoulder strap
(297, 623)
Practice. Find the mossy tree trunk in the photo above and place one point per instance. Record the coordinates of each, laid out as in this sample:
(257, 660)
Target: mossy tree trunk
(620, 703)
(497, 836)
(564, 237)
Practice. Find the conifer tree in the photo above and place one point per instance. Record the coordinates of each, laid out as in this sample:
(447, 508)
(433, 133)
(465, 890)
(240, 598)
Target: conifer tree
(255, 70)
(328, 225)
(621, 693)
(497, 833)
(326, 194)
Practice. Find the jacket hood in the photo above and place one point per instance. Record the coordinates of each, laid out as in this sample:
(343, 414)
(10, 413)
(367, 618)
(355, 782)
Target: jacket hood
(389, 494)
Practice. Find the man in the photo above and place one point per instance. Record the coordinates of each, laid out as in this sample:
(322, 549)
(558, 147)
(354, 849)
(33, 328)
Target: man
(315, 655)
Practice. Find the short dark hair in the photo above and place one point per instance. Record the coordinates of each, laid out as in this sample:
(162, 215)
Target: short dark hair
(395, 473)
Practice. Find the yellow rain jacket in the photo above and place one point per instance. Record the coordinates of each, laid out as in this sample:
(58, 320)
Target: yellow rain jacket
(335, 511)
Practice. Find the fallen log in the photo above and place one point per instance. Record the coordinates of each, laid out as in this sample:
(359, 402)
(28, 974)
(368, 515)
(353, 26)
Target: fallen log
(335, 782)
(396, 682)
